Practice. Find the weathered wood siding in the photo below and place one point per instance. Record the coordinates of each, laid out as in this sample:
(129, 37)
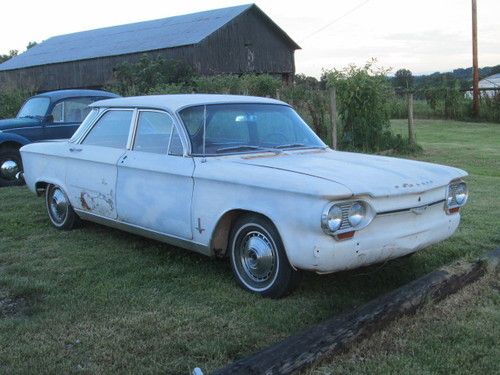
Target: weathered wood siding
(248, 43)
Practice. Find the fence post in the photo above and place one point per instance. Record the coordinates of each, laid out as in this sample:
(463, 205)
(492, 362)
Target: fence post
(411, 128)
(333, 115)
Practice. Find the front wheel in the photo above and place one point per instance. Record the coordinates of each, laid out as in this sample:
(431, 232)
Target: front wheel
(10, 165)
(258, 258)
(60, 212)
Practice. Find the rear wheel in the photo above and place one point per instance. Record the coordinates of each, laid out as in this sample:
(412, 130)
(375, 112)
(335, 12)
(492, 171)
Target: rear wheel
(258, 258)
(59, 209)
(10, 164)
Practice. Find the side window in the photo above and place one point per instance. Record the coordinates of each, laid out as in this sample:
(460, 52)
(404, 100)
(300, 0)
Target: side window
(72, 110)
(111, 130)
(153, 132)
(175, 144)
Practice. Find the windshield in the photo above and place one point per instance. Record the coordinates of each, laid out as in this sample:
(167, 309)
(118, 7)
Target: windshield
(230, 128)
(34, 107)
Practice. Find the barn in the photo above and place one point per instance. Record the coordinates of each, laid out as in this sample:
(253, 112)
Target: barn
(237, 40)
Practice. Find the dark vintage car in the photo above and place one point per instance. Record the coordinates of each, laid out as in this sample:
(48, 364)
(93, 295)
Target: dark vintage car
(51, 115)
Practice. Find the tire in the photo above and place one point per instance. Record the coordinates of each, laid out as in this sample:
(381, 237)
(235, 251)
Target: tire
(258, 258)
(61, 214)
(10, 164)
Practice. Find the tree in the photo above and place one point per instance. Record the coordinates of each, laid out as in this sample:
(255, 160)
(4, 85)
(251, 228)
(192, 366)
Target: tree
(12, 53)
(403, 79)
(31, 44)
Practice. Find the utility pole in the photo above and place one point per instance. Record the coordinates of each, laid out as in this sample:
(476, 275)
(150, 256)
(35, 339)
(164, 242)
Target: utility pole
(475, 69)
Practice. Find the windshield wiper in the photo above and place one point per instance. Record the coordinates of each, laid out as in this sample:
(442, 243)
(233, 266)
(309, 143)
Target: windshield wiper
(243, 148)
(31, 116)
(290, 145)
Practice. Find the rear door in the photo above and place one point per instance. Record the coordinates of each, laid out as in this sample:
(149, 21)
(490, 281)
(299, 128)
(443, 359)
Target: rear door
(92, 173)
(155, 181)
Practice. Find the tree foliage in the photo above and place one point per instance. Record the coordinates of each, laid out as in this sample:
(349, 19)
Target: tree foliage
(147, 74)
(403, 79)
(363, 106)
(12, 53)
(11, 101)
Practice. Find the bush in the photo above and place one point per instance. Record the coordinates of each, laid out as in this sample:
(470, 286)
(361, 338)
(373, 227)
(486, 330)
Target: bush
(364, 108)
(11, 101)
(147, 74)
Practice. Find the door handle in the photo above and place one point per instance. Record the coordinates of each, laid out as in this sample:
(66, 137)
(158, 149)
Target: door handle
(73, 149)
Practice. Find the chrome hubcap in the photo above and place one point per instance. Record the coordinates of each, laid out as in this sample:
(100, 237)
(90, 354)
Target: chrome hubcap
(257, 256)
(58, 206)
(9, 169)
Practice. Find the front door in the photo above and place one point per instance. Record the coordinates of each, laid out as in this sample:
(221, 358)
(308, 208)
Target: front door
(155, 181)
(92, 173)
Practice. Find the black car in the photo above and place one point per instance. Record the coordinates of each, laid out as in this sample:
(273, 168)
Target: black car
(51, 115)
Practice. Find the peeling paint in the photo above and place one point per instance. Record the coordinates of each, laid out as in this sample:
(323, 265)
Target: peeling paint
(97, 202)
(83, 202)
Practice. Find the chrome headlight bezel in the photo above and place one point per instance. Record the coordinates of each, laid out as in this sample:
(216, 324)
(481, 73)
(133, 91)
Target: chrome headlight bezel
(457, 194)
(346, 225)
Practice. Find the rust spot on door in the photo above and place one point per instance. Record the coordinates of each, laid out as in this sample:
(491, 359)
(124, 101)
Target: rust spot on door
(84, 202)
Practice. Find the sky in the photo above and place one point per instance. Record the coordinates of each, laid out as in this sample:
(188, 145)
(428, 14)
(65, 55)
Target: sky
(424, 36)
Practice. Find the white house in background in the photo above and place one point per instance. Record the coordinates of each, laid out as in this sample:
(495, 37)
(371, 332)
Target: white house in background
(492, 82)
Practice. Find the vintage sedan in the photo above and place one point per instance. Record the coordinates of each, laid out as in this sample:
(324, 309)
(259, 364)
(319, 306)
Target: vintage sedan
(51, 115)
(242, 177)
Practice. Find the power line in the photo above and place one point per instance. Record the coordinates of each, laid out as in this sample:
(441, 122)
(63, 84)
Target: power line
(336, 19)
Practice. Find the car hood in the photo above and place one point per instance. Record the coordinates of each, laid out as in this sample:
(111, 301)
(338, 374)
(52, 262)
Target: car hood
(363, 174)
(13, 123)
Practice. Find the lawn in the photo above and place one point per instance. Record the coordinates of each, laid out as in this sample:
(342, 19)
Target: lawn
(98, 300)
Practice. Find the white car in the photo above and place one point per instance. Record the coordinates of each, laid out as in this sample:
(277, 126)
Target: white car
(242, 177)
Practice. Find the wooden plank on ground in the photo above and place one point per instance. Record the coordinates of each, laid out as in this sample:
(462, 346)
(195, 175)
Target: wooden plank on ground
(338, 333)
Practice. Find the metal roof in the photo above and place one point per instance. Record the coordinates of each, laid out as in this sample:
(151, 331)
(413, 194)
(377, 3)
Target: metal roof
(177, 101)
(124, 39)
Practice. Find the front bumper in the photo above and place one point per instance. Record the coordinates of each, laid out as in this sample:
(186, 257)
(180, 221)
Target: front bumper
(389, 236)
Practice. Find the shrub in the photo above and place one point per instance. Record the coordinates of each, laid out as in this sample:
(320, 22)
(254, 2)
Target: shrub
(11, 101)
(363, 106)
(147, 74)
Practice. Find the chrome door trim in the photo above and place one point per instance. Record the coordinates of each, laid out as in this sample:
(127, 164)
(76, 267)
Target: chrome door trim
(141, 231)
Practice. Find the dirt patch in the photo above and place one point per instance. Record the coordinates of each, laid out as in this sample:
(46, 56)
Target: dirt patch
(11, 306)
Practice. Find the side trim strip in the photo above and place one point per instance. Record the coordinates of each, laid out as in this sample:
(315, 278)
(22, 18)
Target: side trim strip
(410, 208)
(141, 231)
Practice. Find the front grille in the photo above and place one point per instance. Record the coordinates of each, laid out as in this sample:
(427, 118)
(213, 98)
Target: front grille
(451, 193)
(345, 214)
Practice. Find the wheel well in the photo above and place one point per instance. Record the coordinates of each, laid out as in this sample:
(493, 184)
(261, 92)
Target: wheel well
(10, 145)
(40, 187)
(220, 237)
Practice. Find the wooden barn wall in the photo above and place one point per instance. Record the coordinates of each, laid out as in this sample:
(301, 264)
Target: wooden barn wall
(94, 73)
(247, 44)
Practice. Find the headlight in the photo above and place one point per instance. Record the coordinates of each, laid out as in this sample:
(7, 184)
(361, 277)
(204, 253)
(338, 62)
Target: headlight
(356, 214)
(343, 218)
(456, 196)
(334, 218)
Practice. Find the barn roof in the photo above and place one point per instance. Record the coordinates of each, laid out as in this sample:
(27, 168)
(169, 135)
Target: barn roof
(132, 38)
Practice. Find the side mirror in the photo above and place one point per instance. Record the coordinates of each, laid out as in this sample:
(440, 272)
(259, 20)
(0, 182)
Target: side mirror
(48, 119)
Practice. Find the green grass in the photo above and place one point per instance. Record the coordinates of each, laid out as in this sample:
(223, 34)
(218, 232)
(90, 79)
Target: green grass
(99, 300)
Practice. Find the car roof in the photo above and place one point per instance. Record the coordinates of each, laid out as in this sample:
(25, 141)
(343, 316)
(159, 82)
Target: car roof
(178, 101)
(73, 93)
